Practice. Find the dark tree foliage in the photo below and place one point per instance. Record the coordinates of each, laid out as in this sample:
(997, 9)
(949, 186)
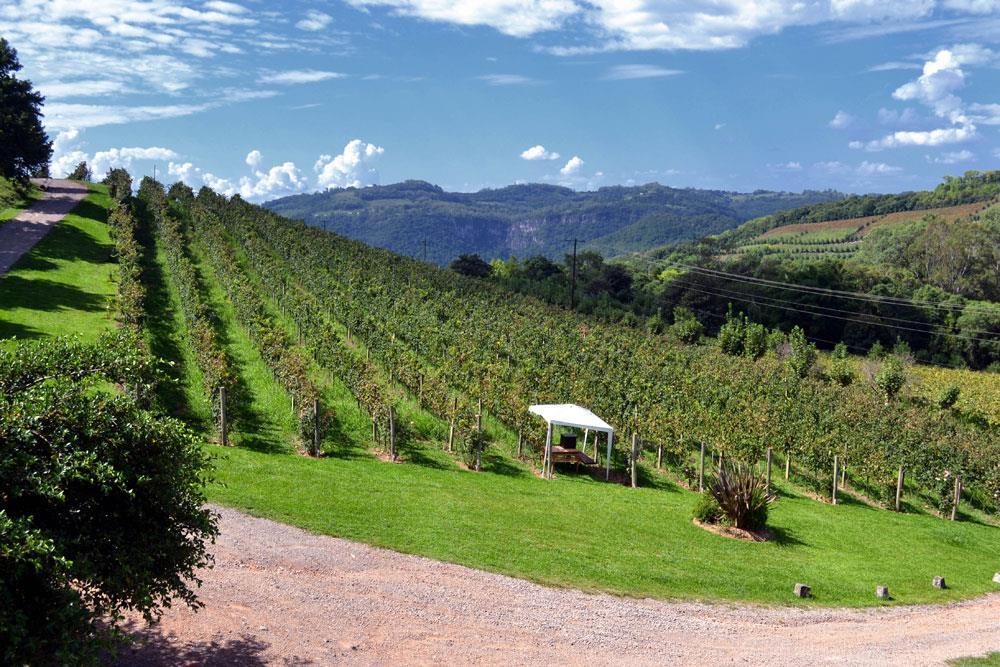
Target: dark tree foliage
(119, 184)
(471, 265)
(81, 172)
(181, 194)
(540, 268)
(102, 503)
(24, 147)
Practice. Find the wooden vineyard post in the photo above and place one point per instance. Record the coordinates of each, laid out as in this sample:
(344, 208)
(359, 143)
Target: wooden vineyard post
(293, 405)
(635, 455)
(315, 427)
(420, 390)
(349, 335)
(479, 436)
(843, 474)
(659, 456)
(958, 497)
(701, 469)
(223, 418)
(374, 432)
(899, 487)
(788, 464)
(451, 427)
(368, 354)
(392, 433)
(770, 454)
(836, 463)
(520, 443)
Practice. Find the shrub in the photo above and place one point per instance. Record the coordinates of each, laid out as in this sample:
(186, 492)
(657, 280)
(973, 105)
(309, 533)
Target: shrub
(802, 353)
(707, 509)
(948, 397)
(741, 492)
(840, 367)
(686, 326)
(890, 377)
(102, 508)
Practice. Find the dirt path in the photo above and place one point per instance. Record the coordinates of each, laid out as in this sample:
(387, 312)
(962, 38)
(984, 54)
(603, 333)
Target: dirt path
(279, 595)
(20, 234)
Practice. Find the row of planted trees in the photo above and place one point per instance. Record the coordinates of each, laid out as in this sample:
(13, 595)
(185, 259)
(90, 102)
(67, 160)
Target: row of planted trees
(434, 327)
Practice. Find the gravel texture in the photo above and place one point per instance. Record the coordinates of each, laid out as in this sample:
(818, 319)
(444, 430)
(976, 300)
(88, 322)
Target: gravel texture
(280, 595)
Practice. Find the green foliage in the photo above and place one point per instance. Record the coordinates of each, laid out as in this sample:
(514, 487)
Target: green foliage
(119, 184)
(801, 353)
(81, 172)
(686, 326)
(841, 370)
(75, 455)
(707, 509)
(741, 493)
(890, 377)
(471, 265)
(131, 292)
(24, 147)
(948, 397)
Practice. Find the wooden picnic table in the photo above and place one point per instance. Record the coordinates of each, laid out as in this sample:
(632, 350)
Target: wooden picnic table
(566, 455)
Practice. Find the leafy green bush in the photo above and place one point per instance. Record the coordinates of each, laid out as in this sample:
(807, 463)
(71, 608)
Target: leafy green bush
(948, 397)
(707, 509)
(102, 509)
(741, 492)
(686, 326)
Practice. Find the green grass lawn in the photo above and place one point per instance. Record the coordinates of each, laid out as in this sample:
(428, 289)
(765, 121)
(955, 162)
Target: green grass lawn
(991, 660)
(574, 531)
(64, 285)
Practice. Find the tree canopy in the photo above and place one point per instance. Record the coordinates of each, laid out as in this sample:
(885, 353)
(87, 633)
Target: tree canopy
(25, 149)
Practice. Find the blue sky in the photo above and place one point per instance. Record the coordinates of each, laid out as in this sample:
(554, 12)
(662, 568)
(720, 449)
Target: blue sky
(269, 99)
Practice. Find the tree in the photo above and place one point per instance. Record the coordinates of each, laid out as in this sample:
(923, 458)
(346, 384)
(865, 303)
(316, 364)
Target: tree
(24, 147)
(540, 268)
(102, 508)
(81, 172)
(471, 265)
(119, 184)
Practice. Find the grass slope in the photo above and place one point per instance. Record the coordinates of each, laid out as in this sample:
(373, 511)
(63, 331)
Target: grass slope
(578, 532)
(65, 284)
(14, 200)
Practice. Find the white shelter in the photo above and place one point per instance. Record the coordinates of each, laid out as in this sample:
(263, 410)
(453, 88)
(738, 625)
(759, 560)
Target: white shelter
(573, 416)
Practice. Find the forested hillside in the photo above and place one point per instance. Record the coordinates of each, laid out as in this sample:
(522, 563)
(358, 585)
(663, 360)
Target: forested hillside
(526, 220)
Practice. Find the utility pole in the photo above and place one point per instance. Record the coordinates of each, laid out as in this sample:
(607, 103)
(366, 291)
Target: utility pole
(572, 289)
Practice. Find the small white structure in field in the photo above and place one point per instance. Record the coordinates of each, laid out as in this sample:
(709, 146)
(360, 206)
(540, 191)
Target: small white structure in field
(572, 416)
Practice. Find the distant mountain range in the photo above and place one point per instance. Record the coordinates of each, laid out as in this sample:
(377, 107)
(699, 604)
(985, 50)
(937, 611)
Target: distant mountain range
(535, 219)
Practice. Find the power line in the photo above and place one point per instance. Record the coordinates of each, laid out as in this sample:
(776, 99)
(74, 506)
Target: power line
(844, 294)
(804, 308)
(846, 319)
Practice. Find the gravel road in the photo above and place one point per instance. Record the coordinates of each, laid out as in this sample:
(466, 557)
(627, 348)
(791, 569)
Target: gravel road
(20, 234)
(279, 595)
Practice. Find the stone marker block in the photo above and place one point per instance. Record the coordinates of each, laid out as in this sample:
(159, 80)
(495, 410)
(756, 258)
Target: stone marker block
(939, 582)
(802, 591)
(882, 592)
(996, 578)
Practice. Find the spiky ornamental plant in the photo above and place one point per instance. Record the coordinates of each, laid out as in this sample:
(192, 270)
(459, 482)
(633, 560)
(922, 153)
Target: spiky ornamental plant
(741, 492)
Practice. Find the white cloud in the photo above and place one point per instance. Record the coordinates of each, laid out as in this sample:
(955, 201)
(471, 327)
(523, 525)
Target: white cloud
(60, 116)
(278, 181)
(572, 166)
(937, 88)
(294, 76)
(953, 157)
(82, 88)
(719, 126)
(354, 167)
(104, 161)
(314, 21)
(872, 168)
(253, 158)
(508, 80)
(666, 24)
(639, 72)
(841, 120)
(973, 6)
(892, 117)
(538, 152)
(787, 166)
(892, 66)
(937, 137)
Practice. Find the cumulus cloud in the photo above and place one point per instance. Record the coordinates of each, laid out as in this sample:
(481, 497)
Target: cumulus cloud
(572, 166)
(253, 159)
(620, 72)
(841, 120)
(314, 21)
(353, 167)
(261, 185)
(294, 76)
(937, 87)
(870, 168)
(538, 152)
